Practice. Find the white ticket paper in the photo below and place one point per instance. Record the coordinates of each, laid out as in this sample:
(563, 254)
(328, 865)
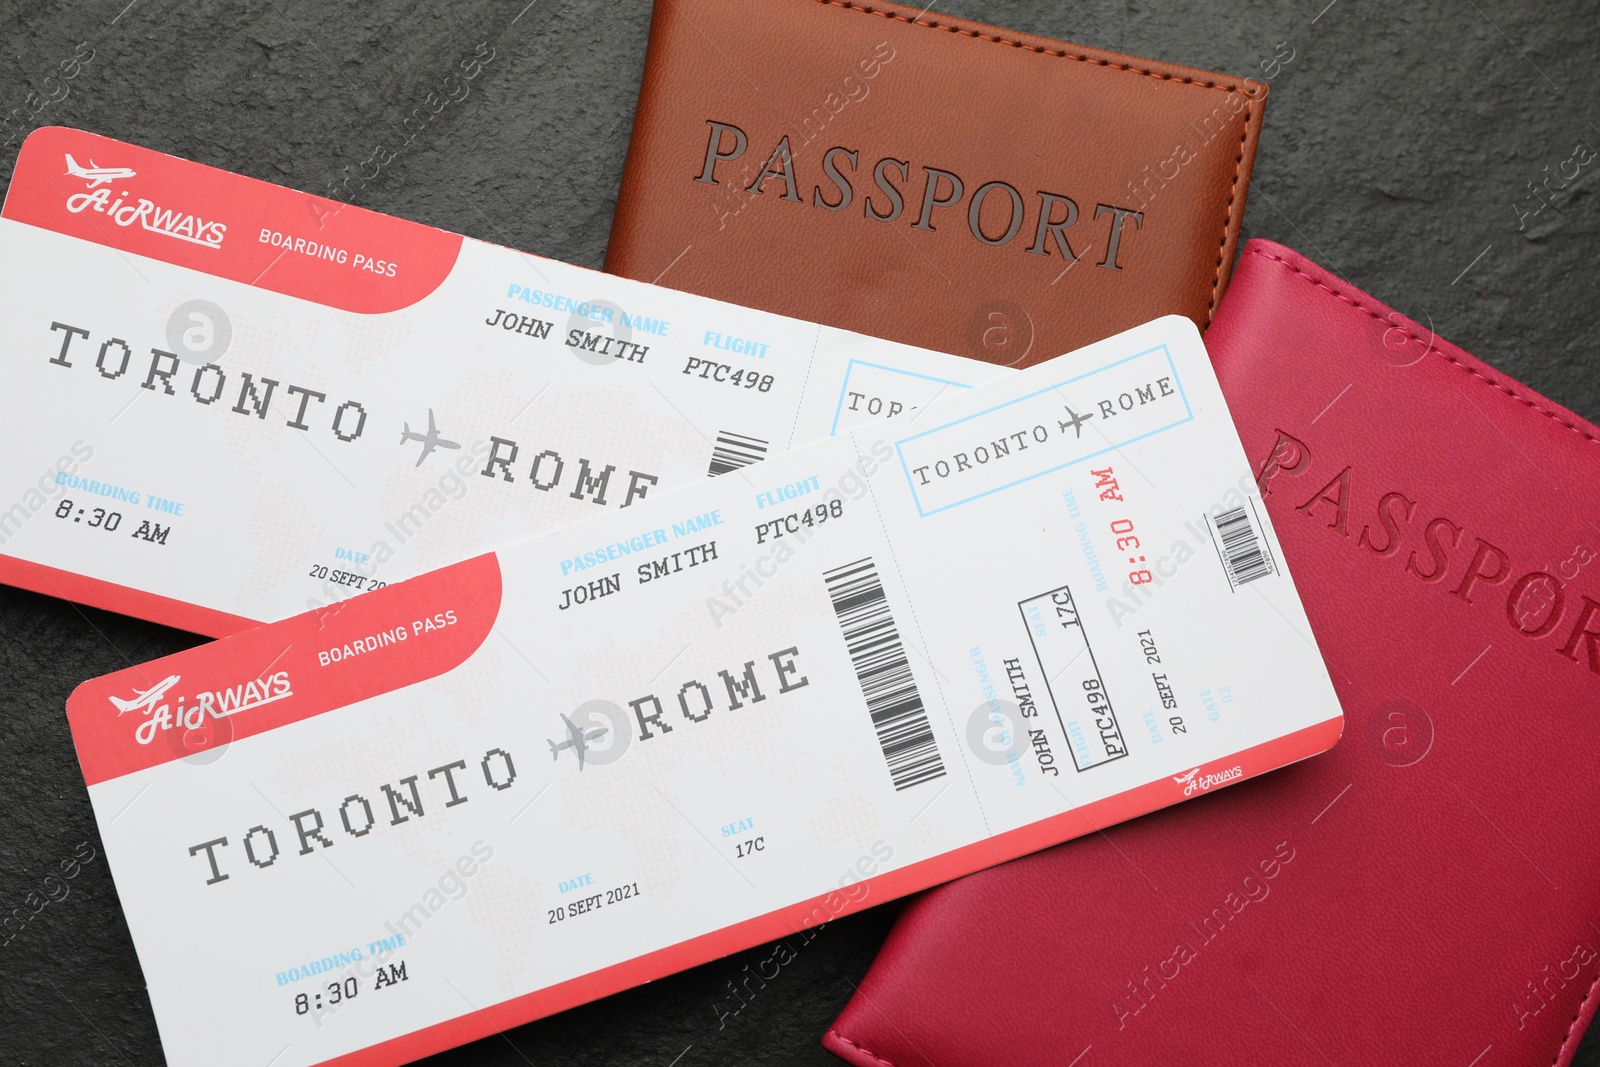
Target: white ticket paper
(232, 401)
(719, 717)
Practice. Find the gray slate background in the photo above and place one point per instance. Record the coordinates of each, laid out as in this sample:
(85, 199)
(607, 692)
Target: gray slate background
(1399, 144)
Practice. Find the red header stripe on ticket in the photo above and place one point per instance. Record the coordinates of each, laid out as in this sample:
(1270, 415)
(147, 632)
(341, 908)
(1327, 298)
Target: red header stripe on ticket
(136, 200)
(193, 702)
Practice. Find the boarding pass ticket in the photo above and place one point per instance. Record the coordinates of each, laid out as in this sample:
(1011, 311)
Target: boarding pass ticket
(722, 716)
(233, 401)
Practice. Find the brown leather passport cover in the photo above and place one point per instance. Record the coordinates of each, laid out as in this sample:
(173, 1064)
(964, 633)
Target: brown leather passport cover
(929, 180)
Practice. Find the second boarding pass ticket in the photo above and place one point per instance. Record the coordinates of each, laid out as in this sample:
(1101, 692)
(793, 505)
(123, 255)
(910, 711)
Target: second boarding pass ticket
(232, 401)
(720, 717)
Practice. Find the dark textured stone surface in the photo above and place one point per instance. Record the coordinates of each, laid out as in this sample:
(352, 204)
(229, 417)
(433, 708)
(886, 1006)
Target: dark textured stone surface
(1399, 142)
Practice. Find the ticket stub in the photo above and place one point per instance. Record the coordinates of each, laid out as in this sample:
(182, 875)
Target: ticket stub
(721, 717)
(233, 401)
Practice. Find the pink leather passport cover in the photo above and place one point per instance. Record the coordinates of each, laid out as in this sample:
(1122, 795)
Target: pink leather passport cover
(1426, 892)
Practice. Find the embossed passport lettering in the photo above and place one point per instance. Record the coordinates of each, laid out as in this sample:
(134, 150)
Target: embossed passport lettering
(914, 176)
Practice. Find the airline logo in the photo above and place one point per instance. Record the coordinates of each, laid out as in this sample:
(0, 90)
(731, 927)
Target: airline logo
(1195, 782)
(96, 176)
(160, 714)
(125, 210)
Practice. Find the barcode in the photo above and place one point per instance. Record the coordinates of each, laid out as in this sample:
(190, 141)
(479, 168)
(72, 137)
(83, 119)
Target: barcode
(1242, 554)
(735, 450)
(885, 676)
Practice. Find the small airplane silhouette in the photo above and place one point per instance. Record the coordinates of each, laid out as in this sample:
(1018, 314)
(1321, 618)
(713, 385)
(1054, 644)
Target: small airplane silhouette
(144, 699)
(579, 741)
(1076, 421)
(96, 175)
(430, 440)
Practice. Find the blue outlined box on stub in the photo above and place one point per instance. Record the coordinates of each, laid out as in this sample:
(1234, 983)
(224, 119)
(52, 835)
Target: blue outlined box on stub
(872, 391)
(1069, 421)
